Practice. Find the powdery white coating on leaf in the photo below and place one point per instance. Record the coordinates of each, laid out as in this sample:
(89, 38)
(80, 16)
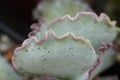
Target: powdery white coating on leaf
(86, 24)
(49, 10)
(52, 55)
(110, 25)
(105, 59)
(96, 68)
(80, 14)
(6, 71)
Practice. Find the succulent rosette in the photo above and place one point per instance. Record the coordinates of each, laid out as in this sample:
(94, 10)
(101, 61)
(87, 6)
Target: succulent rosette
(68, 47)
(50, 9)
(6, 71)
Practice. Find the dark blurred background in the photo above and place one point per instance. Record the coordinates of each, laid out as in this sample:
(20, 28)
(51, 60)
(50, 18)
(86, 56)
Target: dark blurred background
(16, 14)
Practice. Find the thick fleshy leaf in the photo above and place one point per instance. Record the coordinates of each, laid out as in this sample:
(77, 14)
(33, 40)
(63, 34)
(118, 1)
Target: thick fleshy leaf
(105, 59)
(6, 72)
(63, 56)
(96, 29)
(50, 9)
(86, 24)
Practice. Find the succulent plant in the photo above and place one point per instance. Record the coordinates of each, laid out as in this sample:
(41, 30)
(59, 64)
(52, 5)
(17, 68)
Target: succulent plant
(6, 72)
(50, 9)
(85, 24)
(68, 47)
